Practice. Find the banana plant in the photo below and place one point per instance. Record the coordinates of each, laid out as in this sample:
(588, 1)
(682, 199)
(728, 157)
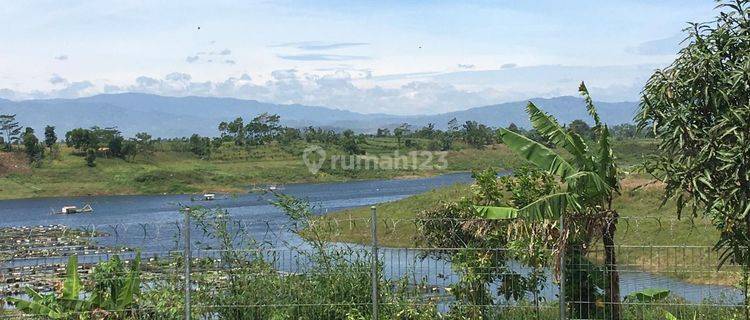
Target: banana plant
(588, 176)
(70, 305)
(52, 306)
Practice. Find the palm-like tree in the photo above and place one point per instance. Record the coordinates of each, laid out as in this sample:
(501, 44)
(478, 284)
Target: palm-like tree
(589, 183)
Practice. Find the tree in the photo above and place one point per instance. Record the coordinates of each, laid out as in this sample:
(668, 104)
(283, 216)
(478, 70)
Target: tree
(102, 136)
(474, 244)
(628, 131)
(453, 125)
(514, 128)
(144, 144)
(50, 137)
(698, 109)
(115, 146)
(91, 157)
(31, 143)
(349, 143)
(224, 129)
(288, 135)
(477, 135)
(445, 141)
(590, 184)
(129, 150)
(399, 133)
(200, 146)
(80, 139)
(581, 128)
(236, 131)
(263, 128)
(427, 132)
(10, 128)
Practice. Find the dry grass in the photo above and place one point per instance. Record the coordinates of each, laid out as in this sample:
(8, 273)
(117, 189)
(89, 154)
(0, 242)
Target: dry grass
(13, 162)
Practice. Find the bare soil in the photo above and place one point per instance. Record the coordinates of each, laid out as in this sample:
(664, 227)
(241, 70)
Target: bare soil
(13, 162)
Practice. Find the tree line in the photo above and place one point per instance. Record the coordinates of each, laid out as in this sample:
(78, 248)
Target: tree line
(265, 129)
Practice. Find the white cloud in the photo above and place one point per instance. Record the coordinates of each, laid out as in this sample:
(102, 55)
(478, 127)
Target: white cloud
(664, 46)
(207, 57)
(423, 93)
(319, 45)
(57, 79)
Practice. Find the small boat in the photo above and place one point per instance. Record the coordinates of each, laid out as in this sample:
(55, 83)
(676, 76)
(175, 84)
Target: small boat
(209, 197)
(274, 187)
(73, 209)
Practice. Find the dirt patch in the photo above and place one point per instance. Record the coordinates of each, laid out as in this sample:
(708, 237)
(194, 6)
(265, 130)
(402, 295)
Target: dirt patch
(632, 183)
(11, 162)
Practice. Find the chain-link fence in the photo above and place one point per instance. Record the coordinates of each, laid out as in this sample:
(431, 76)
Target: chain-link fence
(209, 266)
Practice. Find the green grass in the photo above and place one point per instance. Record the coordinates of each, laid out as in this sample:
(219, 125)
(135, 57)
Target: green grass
(229, 169)
(651, 237)
(631, 204)
(233, 169)
(633, 151)
(164, 172)
(396, 219)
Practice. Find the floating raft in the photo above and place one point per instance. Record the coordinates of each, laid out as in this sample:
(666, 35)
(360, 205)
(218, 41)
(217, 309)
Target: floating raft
(73, 209)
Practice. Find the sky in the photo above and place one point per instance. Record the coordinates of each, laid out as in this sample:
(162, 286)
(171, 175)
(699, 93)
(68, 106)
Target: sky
(397, 57)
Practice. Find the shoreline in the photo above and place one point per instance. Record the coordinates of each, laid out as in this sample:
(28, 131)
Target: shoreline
(237, 190)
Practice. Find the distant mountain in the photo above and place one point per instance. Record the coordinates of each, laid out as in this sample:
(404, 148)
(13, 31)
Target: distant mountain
(565, 109)
(182, 116)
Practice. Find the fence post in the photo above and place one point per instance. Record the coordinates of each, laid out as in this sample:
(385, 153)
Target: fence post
(186, 254)
(563, 251)
(374, 262)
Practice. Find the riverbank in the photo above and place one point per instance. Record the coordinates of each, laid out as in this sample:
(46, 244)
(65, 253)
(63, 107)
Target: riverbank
(650, 237)
(171, 172)
(236, 170)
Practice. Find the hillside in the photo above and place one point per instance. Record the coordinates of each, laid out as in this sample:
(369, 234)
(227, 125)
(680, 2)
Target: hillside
(182, 116)
(229, 169)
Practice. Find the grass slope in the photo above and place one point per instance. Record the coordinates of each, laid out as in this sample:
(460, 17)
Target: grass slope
(230, 169)
(650, 236)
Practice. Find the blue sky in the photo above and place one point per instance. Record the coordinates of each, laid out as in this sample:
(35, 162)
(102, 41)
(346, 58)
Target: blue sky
(403, 57)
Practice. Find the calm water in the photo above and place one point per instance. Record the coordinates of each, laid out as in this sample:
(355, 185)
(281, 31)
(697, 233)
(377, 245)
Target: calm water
(151, 223)
(164, 208)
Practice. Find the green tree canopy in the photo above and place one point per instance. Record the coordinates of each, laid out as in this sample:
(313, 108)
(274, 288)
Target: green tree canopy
(31, 144)
(50, 137)
(10, 128)
(699, 108)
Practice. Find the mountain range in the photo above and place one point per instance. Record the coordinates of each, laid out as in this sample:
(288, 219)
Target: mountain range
(163, 116)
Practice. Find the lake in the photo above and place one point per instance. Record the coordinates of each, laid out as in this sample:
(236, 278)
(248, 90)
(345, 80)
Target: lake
(150, 222)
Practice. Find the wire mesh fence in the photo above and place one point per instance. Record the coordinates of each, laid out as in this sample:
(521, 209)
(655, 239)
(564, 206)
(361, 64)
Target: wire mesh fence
(349, 268)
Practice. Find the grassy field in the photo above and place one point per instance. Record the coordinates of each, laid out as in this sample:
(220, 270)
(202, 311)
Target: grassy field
(641, 204)
(651, 238)
(234, 169)
(230, 169)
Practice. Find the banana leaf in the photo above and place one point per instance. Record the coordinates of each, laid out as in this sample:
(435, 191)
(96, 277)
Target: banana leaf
(606, 159)
(590, 105)
(588, 183)
(536, 153)
(548, 127)
(132, 286)
(72, 285)
(38, 305)
(545, 208)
